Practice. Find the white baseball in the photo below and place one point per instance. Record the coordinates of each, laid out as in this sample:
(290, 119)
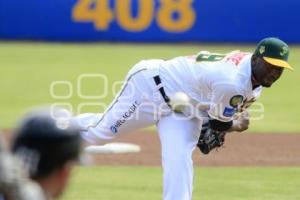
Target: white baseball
(179, 101)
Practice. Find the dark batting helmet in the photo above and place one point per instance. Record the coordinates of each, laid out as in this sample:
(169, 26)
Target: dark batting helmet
(45, 141)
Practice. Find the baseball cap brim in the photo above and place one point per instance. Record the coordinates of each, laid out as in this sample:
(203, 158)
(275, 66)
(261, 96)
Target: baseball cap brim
(278, 62)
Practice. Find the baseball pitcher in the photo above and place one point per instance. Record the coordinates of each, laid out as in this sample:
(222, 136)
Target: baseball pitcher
(219, 89)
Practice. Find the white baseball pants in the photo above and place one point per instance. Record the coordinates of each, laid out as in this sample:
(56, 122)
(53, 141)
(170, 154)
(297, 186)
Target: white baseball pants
(138, 105)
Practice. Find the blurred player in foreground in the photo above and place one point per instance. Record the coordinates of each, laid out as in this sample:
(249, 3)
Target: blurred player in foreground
(49, 147)
(207, 93)
(14, 180)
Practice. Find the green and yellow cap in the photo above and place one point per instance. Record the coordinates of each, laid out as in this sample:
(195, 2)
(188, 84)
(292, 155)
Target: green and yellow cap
(274, 51)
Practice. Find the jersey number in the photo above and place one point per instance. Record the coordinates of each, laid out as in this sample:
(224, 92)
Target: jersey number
(209, 57)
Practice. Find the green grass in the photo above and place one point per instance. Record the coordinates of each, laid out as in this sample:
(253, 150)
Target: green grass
(27, 70)
(135, 183)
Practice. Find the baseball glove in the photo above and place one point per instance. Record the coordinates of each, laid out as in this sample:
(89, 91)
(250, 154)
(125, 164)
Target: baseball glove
(210, 139)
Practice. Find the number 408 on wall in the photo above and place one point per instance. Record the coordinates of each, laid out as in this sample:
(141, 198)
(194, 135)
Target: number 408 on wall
(101, 14)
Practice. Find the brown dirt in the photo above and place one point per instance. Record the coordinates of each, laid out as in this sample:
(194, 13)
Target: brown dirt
(241, 149)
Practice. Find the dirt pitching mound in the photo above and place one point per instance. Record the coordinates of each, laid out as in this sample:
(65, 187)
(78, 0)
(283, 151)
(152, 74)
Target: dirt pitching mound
(240, 149)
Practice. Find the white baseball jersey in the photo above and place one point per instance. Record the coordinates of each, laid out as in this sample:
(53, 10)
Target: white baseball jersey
(221, 81)
(217, 82)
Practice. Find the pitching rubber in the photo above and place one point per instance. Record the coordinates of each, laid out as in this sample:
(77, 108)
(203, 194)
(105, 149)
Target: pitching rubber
(113, 148)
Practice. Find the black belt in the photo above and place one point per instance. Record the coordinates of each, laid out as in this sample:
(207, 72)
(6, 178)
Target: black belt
(161, 89)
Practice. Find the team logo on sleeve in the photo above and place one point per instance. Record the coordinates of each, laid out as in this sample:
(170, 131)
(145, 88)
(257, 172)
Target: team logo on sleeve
(228, 112)
(236, 100)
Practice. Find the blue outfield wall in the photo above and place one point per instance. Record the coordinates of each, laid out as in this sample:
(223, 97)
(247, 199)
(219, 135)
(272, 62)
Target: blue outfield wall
(150, 20)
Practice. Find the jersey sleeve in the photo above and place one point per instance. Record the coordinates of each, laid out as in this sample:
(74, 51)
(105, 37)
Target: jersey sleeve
(250, 100)
(225, 101)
